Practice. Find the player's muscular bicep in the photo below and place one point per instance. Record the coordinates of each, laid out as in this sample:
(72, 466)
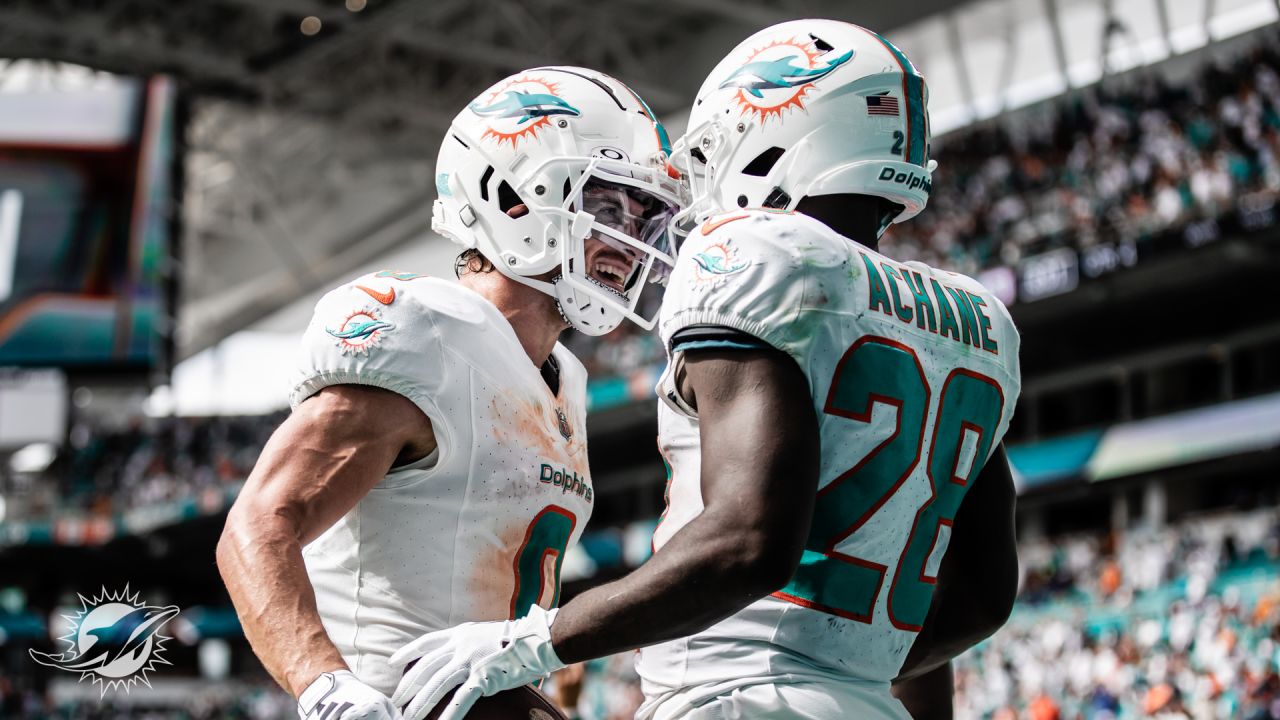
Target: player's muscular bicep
(332, 450)
(325, 456)
(760, 447)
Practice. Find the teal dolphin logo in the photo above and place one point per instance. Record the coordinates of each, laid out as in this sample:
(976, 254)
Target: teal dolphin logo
(717, 265)
(717, 260)
(526, 106)
(114, 639)
(360, 331)
(780, 73)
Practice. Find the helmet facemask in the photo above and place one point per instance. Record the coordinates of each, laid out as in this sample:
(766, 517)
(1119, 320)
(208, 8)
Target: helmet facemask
(628, 209)
(525, 171)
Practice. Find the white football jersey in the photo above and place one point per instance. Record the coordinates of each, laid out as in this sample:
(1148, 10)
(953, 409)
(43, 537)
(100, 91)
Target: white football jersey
(913, 374)
(476, 530)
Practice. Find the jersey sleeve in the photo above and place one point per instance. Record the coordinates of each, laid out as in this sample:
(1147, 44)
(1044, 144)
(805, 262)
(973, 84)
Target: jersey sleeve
(381, 331)
(741, 280)
(701, 337)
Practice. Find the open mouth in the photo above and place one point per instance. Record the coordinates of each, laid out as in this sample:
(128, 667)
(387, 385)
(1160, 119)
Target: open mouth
(611, 273)
(610, 270)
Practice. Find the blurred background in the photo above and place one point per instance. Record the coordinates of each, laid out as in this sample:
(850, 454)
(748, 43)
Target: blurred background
(180, 182)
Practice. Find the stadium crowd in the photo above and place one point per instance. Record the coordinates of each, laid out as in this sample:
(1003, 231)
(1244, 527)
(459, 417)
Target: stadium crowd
(1180, 623)
(1121, 162)
(219, 702)
(149, 461)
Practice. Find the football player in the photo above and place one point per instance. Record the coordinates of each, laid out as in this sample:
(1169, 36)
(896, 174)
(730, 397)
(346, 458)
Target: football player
(840, 510)
(434, 469)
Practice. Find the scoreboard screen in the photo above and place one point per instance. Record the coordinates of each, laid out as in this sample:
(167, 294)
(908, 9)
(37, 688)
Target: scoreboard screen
(87, 217)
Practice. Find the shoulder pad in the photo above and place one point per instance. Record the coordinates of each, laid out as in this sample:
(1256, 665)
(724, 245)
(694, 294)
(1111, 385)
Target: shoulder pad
(380, 330)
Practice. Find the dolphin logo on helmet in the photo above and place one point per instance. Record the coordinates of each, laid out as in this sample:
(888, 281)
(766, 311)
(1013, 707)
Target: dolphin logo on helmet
(526, 106)
(779, 73)
(830, 70)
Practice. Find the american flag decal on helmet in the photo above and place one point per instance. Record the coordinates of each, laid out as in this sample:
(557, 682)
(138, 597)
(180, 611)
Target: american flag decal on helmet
(882, 105)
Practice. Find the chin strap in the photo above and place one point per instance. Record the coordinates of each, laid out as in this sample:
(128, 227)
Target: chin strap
(556, 296)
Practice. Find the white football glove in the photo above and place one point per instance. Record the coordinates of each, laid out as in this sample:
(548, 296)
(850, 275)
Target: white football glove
(485, 658)
(340, 695)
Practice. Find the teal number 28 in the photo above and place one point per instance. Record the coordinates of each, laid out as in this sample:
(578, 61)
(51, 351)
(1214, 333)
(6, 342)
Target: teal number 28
(548, 535)
(876, 370)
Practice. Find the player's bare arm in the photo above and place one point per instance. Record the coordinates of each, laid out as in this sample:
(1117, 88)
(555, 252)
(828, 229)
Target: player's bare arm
(321, 461)
(759, 478)
(978, 579)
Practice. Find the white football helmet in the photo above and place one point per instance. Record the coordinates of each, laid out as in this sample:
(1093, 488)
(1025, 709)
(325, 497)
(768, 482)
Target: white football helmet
(808, 107)
(547, 158)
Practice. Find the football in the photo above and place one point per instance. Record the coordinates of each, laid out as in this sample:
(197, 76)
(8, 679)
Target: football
(522, 703)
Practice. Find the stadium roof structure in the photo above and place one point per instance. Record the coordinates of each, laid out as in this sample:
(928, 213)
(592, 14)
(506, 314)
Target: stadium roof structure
(314, 124)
